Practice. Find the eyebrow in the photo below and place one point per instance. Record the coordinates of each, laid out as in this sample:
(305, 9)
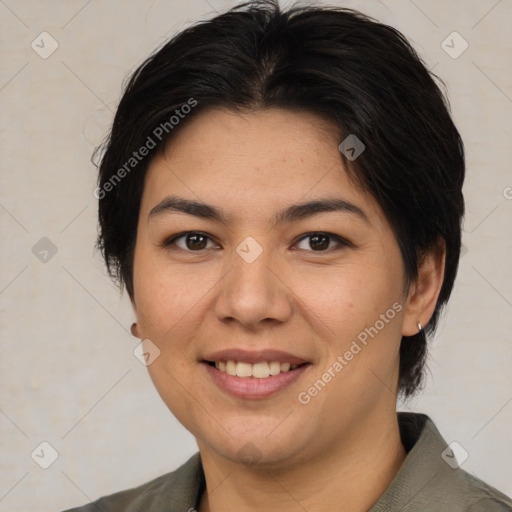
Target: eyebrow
(293, 212)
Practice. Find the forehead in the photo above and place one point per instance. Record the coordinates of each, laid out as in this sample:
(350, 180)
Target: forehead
(253, 160)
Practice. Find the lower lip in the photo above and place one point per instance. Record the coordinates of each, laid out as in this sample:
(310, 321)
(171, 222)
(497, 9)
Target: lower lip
(252, 388)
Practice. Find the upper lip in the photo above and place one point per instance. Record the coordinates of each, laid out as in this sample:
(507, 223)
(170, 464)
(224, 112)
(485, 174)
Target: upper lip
(253, 356)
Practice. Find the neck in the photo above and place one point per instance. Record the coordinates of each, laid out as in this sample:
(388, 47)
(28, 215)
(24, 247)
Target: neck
(353, 475)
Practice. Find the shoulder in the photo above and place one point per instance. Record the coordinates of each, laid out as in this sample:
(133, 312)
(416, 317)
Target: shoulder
(480, 496)
(175, 490)
(431, 479)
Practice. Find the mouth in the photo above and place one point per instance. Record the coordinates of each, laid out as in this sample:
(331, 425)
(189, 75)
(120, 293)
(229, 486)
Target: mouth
(260, 370)
(254, 375)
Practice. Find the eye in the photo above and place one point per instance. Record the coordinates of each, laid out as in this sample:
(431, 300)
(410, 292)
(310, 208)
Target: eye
(193, 241)
(196, 241)
(320, 241)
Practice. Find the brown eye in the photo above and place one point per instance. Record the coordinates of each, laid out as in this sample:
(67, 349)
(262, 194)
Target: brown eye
(195, 241)
(319, 242)
(191, 241)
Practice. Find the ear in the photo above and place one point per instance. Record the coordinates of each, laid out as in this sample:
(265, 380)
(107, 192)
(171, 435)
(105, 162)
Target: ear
(134, 328)
(423, 293)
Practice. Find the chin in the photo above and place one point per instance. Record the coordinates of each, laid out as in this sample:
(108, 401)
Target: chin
(257, 447)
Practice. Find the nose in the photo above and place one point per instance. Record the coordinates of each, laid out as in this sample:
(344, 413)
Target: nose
(254, 294)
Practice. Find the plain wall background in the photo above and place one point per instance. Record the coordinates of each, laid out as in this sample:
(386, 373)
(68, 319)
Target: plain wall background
(68, 373)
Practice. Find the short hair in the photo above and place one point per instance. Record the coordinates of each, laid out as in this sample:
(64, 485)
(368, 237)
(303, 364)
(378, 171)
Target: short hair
(335, 62)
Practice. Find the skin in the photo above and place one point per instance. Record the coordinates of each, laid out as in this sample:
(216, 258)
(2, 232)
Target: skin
(342, 448)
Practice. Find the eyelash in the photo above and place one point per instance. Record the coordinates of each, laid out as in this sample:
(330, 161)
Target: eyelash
(169, 243)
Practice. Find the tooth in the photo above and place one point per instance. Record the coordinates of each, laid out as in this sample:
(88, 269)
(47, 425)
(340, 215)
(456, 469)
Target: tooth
(285, 367)
(260, 370)
(231, 367)
(274, 367)
(243, 369)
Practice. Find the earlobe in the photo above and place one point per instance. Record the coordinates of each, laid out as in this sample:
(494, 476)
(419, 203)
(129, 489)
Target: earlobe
(134, 329)
(424, 292)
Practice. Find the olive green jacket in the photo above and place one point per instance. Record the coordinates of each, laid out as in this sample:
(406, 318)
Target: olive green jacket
(428, 481)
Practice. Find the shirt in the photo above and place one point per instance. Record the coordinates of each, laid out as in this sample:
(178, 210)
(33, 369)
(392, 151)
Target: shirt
(429, 480)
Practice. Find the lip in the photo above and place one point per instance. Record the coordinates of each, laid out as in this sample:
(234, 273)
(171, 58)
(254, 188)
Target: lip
(251, 388)
(253, 356)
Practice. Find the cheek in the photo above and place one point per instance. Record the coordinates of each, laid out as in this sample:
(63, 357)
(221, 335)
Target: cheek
(361, 305)
(346, 299)
(168, 297)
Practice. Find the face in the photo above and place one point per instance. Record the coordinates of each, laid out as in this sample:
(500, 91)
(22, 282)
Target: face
(303, 304)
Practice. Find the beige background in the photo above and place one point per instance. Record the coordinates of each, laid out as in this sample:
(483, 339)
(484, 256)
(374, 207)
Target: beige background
(68, 374)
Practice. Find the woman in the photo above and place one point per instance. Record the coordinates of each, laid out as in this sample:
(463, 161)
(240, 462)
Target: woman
(281, 196)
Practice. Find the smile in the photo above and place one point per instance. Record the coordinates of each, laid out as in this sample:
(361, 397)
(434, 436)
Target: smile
(255, 381)
(260, 370)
